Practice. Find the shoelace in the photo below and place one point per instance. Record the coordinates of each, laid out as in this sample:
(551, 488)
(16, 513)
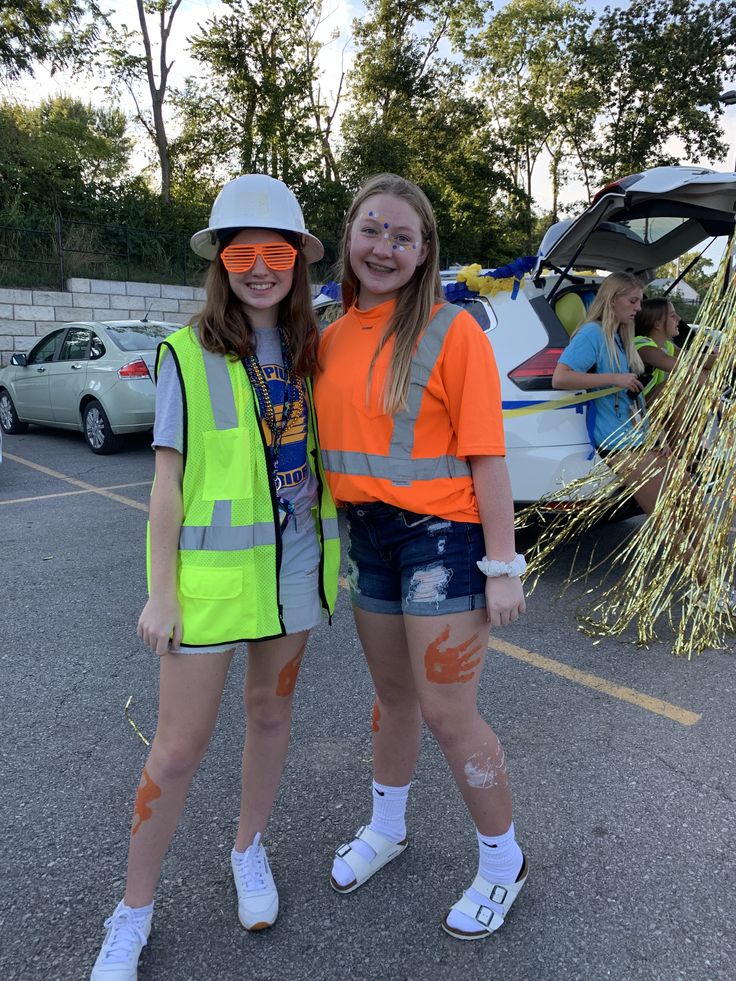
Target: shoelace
(126, 933)
(253, 865)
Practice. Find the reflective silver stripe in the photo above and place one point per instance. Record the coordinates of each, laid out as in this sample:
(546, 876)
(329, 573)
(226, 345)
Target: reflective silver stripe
(397, 471)
(330, 528)
(398, 466)
(424, 360)
(222, 514)
(218, 539)
(221, 390)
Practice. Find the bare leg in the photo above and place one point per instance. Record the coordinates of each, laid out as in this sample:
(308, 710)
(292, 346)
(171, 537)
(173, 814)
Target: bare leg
(447, 655)
(271, 675)
(190, 692)
(397, 721)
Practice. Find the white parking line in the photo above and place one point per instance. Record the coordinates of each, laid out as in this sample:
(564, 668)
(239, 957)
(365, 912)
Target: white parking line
(90, 488)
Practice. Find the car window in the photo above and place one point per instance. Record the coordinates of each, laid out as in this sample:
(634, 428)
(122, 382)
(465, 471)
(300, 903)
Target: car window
(480, 312)
(137, 337)
(75, 344)
(43, 352)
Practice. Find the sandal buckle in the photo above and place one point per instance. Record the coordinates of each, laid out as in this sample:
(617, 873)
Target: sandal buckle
(498, 895)
(342, 851)
(484, 915)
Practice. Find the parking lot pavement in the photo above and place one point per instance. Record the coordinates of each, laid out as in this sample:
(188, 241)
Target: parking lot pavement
(621, 764)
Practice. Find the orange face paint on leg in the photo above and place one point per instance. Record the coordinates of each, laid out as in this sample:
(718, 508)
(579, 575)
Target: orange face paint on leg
(452, 665)
(375, 717)
(288, 675)
(148, 792)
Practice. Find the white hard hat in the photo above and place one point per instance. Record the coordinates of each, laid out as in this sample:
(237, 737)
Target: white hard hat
(255, 201)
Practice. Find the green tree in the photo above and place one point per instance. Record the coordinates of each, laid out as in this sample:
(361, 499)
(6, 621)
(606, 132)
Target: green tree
(51, 31)
(260, 107)
(656, 68)
(409, 113)
(137, 59)
(699, 276)
(62, 155)
(524, 77)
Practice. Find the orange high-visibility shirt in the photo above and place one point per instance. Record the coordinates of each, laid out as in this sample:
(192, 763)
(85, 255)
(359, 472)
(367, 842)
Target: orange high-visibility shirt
(460, 413)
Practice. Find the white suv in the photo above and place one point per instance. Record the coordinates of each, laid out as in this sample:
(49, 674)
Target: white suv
(635, 224)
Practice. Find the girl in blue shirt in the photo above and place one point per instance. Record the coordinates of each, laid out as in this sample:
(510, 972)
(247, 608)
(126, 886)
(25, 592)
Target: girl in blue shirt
(601, 354)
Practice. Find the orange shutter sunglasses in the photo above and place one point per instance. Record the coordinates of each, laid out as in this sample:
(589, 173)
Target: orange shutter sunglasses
(278, 256)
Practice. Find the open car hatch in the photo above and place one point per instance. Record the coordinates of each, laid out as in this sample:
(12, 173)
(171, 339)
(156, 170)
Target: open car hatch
(644, 221)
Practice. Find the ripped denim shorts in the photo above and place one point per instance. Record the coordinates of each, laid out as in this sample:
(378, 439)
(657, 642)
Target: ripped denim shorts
(402, 562)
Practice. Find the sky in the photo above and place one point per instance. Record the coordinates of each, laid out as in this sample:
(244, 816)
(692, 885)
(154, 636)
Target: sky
(338, 16)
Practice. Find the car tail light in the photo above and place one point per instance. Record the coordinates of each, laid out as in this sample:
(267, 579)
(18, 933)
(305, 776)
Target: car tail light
(536, 372)
(134, 369)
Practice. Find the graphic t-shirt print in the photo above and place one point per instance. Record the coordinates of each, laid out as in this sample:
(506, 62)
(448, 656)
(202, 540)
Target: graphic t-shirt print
(293, 468)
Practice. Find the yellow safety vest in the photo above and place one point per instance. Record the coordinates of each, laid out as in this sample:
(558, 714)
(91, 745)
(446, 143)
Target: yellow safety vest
(230, 543)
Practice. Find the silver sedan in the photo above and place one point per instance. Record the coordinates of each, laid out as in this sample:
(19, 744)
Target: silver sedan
(96, 377)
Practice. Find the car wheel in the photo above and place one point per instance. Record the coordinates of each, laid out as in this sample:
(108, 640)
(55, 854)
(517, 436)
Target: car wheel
(97, 430)
(9, 417)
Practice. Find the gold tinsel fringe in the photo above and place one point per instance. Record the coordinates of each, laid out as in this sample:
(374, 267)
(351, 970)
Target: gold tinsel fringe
(677, 568)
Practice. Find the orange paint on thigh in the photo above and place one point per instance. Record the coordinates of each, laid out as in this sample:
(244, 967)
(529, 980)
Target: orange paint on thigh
(452, 665)
(375, 717)
(288, 675)
(148, 792)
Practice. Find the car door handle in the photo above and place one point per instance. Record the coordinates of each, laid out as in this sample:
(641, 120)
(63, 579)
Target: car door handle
(40, 369)
(75, 366)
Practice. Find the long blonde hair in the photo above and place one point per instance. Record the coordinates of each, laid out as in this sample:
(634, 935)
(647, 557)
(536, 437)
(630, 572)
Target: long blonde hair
(601, 311)
(416, 299)
(224, 327)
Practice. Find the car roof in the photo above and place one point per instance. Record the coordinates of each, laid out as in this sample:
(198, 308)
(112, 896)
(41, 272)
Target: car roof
(644, 220)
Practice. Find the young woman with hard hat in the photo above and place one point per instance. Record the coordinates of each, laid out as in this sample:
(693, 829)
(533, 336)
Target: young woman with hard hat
(235, 552)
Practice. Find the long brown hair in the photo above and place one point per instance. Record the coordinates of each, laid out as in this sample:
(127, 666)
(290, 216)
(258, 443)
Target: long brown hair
(601, 311)
(224, 327)
(416, 299)
(653, 314)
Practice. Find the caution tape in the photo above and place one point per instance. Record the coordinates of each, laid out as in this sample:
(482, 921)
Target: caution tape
(528, 410)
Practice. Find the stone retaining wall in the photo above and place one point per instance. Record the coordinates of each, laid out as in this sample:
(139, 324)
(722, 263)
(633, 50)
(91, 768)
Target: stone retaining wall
(26, 314)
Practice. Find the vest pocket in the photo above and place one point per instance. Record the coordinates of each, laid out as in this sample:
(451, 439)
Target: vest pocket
(198, 582)
(228, 469)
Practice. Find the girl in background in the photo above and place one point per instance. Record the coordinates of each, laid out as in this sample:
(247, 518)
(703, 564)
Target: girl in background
(242, 540)
(409, 404)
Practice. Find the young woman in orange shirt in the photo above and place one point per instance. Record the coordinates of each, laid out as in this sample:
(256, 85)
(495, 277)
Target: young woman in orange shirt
(409, 409)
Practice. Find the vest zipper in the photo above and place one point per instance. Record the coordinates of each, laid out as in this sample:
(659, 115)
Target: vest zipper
(274, 505)
(320, 492)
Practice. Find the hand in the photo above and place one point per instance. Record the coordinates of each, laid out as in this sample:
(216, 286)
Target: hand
(627, 379)
(504, 600)
(160, 623)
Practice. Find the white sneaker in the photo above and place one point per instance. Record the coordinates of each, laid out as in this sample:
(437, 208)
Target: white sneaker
(258, 898)
(127, 935)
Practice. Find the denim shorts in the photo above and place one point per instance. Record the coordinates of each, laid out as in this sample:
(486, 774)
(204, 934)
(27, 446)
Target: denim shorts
(402, 562)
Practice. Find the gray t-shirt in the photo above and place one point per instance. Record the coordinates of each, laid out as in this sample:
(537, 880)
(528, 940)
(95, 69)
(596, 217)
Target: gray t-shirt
(298, 483)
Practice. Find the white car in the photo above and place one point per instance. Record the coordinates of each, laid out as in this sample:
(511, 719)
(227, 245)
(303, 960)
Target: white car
(636, 224)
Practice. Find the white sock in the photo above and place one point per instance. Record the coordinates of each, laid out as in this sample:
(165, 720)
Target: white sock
(500, 857)
(499, 861)
(137, 910)
(388, 819)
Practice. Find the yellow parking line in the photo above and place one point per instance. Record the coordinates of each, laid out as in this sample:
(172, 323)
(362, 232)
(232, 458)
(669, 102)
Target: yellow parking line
(656, 705)
(77, 483)
(46, 497)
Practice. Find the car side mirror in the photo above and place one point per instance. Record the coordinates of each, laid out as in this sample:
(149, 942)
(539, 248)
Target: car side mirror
(20, 360)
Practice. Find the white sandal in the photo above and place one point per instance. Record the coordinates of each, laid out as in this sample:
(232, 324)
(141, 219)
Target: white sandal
(362, 869)
(489, 919)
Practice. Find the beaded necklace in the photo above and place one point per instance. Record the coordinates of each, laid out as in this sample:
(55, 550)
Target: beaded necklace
(293, 407)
